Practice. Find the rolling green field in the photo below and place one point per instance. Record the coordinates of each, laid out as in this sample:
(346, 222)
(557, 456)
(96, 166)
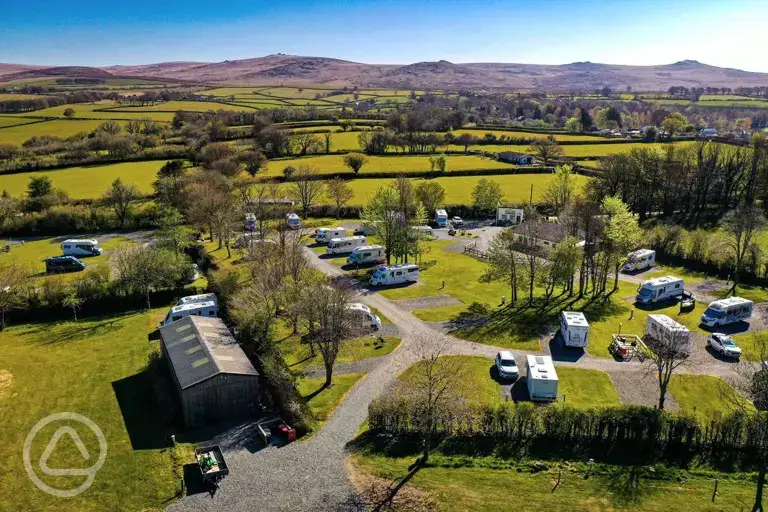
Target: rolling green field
(13, 121)
(19, 96)
(94, 111)
(480, 132)
(62, 128)
(576, 150)
(174, 106)
(88, 182)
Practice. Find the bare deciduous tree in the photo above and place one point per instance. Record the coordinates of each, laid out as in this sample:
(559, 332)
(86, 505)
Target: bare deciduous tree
(339, 192)
(740, 227)
(667, 353)
(12, 280)
(306, 188)
(120, 197)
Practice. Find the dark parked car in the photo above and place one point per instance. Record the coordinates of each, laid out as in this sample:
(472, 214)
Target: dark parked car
(63, 264)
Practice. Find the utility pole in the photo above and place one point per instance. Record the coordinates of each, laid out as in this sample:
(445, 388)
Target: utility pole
(530, 199)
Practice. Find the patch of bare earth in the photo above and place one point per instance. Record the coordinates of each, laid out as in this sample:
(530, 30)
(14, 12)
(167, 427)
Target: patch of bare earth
(640, 388)
(374, 490)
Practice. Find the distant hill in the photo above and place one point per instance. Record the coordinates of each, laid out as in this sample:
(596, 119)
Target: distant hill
(292, 69)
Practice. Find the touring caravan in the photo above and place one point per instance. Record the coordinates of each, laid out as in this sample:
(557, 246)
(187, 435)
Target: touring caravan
(669, 333)
(727, 311)
(396, 274)
(574, 328)
(363, 314)
(250, 221)
(640, 260)
(659, 290)
(345, 245)
(76, 247)
(325, 235)
(195, 299)
(367, 254)
(542, 378)
(293, 221)
(441, 218)
(208, 308)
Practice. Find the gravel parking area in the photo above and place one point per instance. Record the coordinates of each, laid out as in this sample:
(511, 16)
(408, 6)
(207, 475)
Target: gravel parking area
(640, 388)
(432, 301)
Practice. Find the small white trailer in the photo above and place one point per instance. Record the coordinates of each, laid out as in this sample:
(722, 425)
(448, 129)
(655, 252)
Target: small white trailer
(345, 244)
(78, 247)
(727, 311)
(208, 308)
(395, 274)
(293, 221)
(640, 260)
(325, 235)
(574, 328)
(195, 299)
(542, 378)
(660, 290)
(367, 254)
(363, 315)
(668, 333)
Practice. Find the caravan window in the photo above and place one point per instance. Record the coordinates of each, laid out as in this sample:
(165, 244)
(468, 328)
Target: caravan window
(414, 270)
(677, 285)
(210, 313)
(366, 254)
(175, 317)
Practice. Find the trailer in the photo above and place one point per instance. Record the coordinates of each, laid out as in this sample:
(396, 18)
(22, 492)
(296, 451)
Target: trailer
(345, 245)
(213, 466)
(626, 347)
(367, 254)
(542, 378)
(574, 328)
(659, 290)
(640, 260)
(668, 333)
(727, 311)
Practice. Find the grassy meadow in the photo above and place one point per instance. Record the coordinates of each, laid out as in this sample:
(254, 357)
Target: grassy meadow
(62, 128)
(99, 110)
(560, 137)
(6, 122)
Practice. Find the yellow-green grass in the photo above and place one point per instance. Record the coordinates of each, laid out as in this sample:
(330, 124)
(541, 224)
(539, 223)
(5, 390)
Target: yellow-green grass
(94, 368)
(57, 128)
(13, 121)
(88, 182)
(479, 132)
(342, 141)
(575, 150)
(753, 345)
(323, 401)
(705, 396)
(175, 106)
(232, 91)
(292, 92)
(688, 275)
(733, 103)
(298, 355)
(723, 97)
(585, 389)
(96, 111)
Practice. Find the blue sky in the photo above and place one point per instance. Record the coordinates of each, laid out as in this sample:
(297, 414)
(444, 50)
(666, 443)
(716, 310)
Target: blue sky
(642, 32)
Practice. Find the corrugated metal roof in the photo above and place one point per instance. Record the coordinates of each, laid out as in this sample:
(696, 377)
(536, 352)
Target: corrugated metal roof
(200, 348)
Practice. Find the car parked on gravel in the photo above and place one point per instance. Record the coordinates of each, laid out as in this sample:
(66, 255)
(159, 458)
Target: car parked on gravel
(456, 221)
(506, 365)
(724, 345)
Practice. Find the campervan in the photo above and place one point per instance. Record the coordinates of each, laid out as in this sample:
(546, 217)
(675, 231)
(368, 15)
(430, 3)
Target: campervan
(574, 328)
(640, 260)
(659, 290)
(250, 221)
(363, 314)
(63, 264)
(395, 274)
(325, 235)
(367, 254)
(345, 244)
(81, 248)
(668, 333)
(293, 221)
(727, 311)
(208, 308)
(441, 218)
(425, 231)
(542, 378)
(196, 299)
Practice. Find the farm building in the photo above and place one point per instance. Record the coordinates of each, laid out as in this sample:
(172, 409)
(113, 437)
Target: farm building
(213, 376)
(547, 235)
(512, 157)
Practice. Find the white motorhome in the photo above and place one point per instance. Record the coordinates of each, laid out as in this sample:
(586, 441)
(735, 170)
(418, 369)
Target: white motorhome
(325, 235)
(727, 311)
(395, 274)
(365, 316)
(640, 260)
(507, 215)
(250, 221)
(196, 308)
(669, 333)
(574, 328)
(367, 254)
(293, 221)
(659, 290)
(542, 378)
(426, 231)
(195, 299)
(441, 218)
(76, 247)
(344, 245)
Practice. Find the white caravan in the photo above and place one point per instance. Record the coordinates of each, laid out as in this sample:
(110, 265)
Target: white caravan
(669, 333)
(196, 308)
(195, 299)
(293, 221)
(574, 328)
(363, 314)
(345, 245)
(441, 218)
(727, 311)
(659, 290)
(367, 254)
(325, 235)
(250, 221)
(396, 274)
(542, 378)
(76, 247)
(640, 260)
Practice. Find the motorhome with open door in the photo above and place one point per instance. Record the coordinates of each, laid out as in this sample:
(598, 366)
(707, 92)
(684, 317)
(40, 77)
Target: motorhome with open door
(727, 311)
(541, 379)
(574, 328)
(395, 274)
(76, 247)
(364, 317)
(345, 244)
(195, 299)
(640, 260)
(366, 255)
(293, 221)
(208, 308)
(660, 290)
(325, 235)
(669, 333)
(441, 218)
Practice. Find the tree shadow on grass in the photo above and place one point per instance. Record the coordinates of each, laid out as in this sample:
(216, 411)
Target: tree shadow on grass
(627, 486)
(51, 334)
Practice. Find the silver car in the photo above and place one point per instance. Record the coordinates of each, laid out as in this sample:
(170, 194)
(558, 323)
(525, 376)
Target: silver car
(724, 345)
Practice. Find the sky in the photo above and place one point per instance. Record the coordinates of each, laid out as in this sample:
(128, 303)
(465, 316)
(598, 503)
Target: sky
(639, 32)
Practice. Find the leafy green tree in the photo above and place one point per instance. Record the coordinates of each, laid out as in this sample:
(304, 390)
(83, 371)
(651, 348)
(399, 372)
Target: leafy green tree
(505, 261)
(120, 197)
(486, 195)
(674, 123)
(431, 194)
(546, 149)
(69, 112)
(560, 189)
(39, 186)
(621, 233)
(574, 125)
(254, 162)
(355, 161)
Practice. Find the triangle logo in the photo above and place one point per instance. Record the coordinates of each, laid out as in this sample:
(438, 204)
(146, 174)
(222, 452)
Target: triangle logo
(72, 433)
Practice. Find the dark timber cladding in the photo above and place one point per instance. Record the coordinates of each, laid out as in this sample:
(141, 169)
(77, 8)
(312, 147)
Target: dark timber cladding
(213, 376)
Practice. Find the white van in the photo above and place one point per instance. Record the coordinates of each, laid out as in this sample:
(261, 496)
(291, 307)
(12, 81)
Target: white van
(640, 260)
(395, 274)
(77, 247)
(196, 308)
(659, 290)
(425, 231)
(669, 333)
(196, 299)
(727, 311)
(574, 328)
(363, 314)
(542, 378)
(293, 221)
(367, 254)
(325, 235)
(344, 245)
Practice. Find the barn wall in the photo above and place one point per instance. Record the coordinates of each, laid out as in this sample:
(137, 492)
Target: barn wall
(225, 396)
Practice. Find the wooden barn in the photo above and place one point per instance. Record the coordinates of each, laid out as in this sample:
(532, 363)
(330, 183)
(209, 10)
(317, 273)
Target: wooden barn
(213, 376)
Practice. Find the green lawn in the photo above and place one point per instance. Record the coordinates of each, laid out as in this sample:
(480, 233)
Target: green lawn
(323, 403)
(12, 121)
(585, 389)
(705, 395)
(298, 356)
(91, 368)
(58, 128)
(174, 106)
